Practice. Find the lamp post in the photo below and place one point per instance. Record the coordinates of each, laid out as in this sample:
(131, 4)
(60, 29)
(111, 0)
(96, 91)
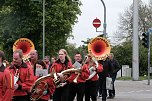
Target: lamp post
(43, 28)
(104, 24)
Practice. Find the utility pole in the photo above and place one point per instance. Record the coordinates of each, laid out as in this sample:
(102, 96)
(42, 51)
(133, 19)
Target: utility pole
(43, 26)
(135, 56)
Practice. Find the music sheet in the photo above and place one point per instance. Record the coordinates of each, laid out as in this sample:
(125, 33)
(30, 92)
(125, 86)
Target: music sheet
(77, 65)
(41, 72)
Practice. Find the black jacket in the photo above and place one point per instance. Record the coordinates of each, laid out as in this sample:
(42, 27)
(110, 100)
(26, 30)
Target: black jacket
(107, 68)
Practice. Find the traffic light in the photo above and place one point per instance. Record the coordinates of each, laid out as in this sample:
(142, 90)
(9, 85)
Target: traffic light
(145, 39)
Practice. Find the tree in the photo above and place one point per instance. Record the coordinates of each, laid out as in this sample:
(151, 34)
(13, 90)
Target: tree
(23, 18)
(123, 51)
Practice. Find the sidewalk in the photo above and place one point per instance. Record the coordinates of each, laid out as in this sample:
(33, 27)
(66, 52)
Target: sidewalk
(132, 91)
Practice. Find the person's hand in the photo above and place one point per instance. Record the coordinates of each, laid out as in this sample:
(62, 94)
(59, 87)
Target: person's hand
(45, 92)
(63, 84)
(60, 75)
(94, 69)
(16, 86)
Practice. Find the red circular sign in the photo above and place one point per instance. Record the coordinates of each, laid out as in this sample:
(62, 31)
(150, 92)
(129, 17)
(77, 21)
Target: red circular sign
(96, 23)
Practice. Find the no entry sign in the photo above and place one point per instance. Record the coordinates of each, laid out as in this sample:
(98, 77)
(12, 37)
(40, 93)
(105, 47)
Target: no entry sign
(96, 23)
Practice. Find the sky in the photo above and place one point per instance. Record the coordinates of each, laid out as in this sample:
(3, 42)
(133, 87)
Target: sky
(92, 9)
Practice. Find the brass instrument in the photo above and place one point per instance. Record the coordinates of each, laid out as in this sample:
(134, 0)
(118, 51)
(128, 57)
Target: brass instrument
(99, 48)
(26, 45)
(40, 85)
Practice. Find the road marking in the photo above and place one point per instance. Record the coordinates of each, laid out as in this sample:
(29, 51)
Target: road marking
(137, 91)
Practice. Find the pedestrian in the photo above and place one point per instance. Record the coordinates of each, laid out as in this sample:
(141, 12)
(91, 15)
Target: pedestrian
(107, 70)
(116, 68)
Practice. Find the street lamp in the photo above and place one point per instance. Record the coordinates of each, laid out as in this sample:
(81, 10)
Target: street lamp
(43, 28)
(43, 25)
(104, 24)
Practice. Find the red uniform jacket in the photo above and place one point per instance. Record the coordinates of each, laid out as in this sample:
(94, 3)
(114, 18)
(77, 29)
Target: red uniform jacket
(98, 69)
(26, 78)
(6, 84)
(82, 76)
(58, 67)
(51, 87)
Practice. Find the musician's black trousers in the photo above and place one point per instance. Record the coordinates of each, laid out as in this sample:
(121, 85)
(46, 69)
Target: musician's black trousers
(102, 88)
(76, 89)
(20, 98)
(91, 90)
(61, 94)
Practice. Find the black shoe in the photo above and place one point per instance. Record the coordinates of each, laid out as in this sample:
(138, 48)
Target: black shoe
(111, 97)
(100, 95)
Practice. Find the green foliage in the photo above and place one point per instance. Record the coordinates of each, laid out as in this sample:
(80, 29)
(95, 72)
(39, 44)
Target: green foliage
(123, 51)
(23, 18)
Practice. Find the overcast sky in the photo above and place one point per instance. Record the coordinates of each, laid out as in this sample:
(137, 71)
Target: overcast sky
(92, 9)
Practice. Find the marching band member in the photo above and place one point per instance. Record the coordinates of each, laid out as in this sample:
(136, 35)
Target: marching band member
(6, 81)
(91, 84)
(23, 75)
(33, 58)
(78, 87)
(47, 61)
(62, 63)
(51, 86)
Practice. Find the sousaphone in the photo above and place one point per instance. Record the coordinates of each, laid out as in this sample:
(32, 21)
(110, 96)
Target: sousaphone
(25, 44)
(99, 48)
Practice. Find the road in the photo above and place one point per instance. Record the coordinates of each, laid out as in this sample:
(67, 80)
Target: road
(132, 91)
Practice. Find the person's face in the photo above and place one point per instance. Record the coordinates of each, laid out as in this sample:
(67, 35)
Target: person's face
(53, 59)
(39, 66)
(62, 55)
(0, 59)
(77, 57)
(88, 59)
(33, 55)
(46, 60)
(110, 57)
(17, 60)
